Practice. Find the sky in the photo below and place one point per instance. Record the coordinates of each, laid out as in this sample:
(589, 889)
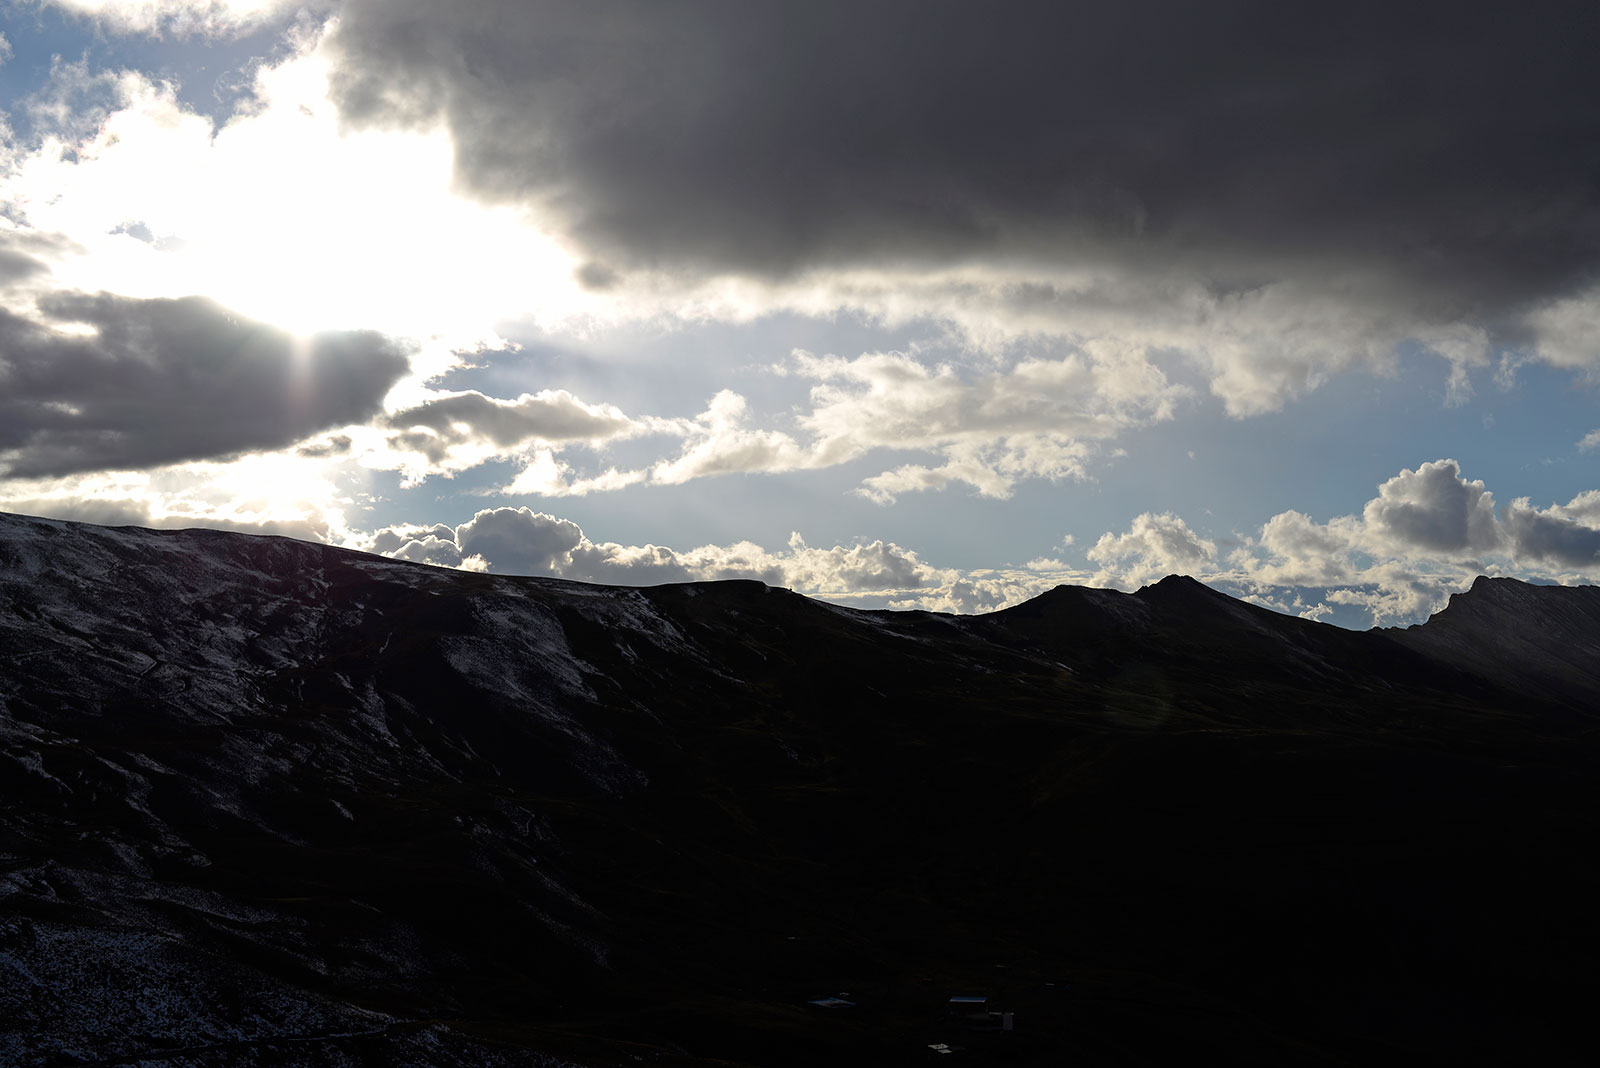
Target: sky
(898, 304)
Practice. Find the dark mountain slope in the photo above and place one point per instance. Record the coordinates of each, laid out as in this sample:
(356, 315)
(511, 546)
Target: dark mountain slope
(1541, 639)
(265, 802)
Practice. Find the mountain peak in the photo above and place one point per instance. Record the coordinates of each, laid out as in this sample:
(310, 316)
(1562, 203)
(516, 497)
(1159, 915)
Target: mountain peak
(1182, 589)
(1519, 632)
(1501, 595)
(1173, 583)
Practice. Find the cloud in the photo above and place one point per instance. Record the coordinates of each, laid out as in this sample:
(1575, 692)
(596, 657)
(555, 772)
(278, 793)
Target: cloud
(280, 211)
(1590, 442)
(1565, 330)
(518, 541)
(1246, 144)
(454, 431)
(691, 165)
(1548, 536)
(137, 513)
(1433, 508)
(272, 493)
(16, 266)
(525, 542)
(1023, 418)
(1273, 198)
(1031, 417)
(1427, 533)
(1585, 508)
(1153, 547)
(721, 442)
(101, 382)
(1295, 535)
(869, 567)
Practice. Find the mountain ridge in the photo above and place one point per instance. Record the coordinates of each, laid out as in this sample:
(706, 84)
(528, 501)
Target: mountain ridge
(320, 807)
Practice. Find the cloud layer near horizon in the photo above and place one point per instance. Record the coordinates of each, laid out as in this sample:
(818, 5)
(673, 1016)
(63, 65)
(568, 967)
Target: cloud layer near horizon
(1427, 533)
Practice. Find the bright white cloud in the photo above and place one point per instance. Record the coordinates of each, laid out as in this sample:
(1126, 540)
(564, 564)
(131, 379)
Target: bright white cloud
(721, 442)
(1032, 418)
(285, 493)
(1585, 508)
(1567, 331)
(1153, 547)
(280, 213)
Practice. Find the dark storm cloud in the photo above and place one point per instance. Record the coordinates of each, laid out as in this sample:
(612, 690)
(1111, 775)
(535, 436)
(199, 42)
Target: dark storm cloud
(142, 383)
(1451, 147)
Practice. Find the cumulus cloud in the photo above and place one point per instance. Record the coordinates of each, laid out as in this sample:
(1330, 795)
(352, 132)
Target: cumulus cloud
(100, 382)
(1153, 546)
(523, 541)
(1585, 508)
(1433, 508)
(519, 541)
(1427, 533)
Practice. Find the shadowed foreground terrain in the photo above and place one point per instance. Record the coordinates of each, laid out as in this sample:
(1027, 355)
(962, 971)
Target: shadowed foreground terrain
(272, 803)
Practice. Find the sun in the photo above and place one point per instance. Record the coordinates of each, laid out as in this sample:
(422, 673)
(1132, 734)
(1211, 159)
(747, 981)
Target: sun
(285, 215)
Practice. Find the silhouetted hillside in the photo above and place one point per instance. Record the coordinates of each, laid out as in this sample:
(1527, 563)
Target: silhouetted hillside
(265, 802)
